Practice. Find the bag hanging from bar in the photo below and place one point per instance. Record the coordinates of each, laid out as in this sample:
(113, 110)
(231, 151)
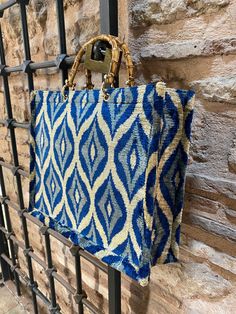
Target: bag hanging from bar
(107, 166)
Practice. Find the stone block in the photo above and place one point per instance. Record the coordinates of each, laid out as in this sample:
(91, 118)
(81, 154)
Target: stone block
(212, 188)
(189, 49)
(220, 89)
(149, 12)
(198, 203)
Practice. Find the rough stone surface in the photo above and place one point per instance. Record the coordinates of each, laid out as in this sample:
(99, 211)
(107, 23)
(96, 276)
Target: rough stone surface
(231, 215)
(211, 255)
(210, 225)
(189, 44)
(190, 48)
(219, 89)
(212, 137)
(212, 188)
(148, 12)
(40, 11)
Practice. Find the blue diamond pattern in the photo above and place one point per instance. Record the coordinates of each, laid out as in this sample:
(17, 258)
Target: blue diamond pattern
(64, 145)
(130, 167)
(93, 151)
(42, 140)
(77, 195)
(110, 208)
(53, 186)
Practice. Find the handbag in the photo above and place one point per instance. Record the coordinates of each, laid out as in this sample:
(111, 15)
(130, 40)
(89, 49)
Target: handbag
(107, 166)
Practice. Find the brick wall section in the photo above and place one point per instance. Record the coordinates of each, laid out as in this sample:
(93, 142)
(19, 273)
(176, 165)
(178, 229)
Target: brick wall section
(190, 44)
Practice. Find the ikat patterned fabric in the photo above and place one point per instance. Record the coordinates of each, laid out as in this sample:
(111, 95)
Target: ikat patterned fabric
(109, 175)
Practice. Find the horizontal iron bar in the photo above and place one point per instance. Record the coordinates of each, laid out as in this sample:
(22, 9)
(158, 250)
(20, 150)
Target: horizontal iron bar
(22, 246)
(40, 262)
(68, 243)
(94, 261)
(26, 280)
(59, 278)
(39, 65)
(22, 125)
(60, 237)
(63, 282)
(13, 168)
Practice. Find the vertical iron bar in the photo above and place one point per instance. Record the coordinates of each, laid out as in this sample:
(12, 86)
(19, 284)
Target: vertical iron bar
(25, 34)
(109, 22)
(9, 229)
(62, 35)
(17, 175)
(79, 282)
(114, 291)
(50, 268)
(109, 25)
(5, 269)
(109, 17)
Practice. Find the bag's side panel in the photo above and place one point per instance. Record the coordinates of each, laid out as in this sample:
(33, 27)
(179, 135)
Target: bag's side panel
(170, 174)
(187, 101)
(154, 101)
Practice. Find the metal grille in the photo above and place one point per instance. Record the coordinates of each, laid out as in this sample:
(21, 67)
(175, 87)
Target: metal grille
(10, 268)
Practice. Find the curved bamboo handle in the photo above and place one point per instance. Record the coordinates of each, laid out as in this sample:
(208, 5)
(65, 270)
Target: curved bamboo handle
(113, 67)
(117, 45)
(129, 65)
(129, 62)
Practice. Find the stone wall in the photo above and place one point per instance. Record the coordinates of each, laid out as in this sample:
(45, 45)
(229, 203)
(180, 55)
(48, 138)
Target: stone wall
(190, 44)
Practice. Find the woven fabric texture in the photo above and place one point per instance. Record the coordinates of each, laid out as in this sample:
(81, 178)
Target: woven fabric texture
(109, 175)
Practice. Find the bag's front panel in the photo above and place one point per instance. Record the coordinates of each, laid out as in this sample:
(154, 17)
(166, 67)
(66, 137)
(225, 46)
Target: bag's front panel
(91, 160)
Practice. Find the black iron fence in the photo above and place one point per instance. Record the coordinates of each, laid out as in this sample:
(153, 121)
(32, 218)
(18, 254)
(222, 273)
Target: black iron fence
(9, 264)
